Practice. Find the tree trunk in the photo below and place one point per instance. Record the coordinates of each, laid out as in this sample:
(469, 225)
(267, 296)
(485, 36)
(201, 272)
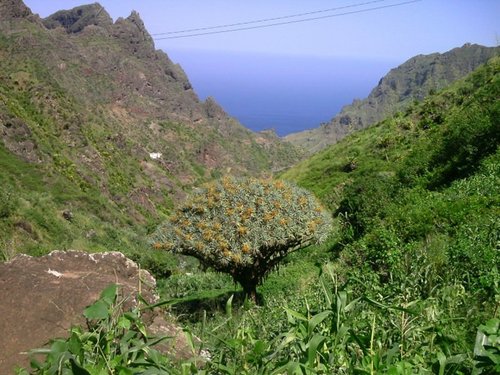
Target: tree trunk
(249, 285)
(251, 293)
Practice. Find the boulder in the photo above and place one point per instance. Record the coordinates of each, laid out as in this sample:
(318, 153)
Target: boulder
(42, 297)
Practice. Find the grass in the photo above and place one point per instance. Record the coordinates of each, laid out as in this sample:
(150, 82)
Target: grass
(32, 220)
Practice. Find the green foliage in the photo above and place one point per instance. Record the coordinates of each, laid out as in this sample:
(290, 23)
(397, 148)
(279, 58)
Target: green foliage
(159, 264)
(487, 348)
(194, 284)
(244, 227)
(364, 201)
(336, 332)
(473, 135)
(464, 130)
(33, 202)
(419, 220)
(401, 289)
(90, 156)
(116, 342)
(8, 203)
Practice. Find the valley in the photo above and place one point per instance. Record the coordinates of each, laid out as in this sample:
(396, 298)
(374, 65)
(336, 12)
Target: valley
(368, 245)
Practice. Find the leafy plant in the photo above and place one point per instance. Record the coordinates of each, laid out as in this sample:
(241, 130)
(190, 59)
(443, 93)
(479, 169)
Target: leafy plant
(8, 203)
(116, 342)
(487, 348)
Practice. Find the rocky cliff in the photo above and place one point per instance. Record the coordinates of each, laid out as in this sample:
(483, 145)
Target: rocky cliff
(411, 81)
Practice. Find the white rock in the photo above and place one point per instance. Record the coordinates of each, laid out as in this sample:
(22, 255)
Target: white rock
(155, 155)
(55, 273)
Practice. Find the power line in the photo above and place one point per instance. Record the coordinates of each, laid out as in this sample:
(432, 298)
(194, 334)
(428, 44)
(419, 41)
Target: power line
(92, 43)
(266, 19)
(287, 22)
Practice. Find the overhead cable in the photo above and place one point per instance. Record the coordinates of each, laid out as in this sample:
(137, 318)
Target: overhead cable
(266, 19)
(287, 22)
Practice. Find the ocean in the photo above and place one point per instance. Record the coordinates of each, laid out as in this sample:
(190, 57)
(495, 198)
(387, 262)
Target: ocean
(285, 93)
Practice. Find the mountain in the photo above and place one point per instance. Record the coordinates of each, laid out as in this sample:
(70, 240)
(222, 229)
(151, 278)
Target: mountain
(94, 119)
(413, 80)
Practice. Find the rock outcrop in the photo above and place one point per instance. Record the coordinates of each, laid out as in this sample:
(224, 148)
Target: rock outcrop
(76, 19)
(41, 298)
(12, 9)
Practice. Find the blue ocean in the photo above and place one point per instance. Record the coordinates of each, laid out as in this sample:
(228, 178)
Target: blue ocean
(285, 93)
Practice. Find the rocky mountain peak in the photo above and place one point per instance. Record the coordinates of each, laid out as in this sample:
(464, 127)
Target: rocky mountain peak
(10, 9)
(136, 19)
(134, 33)
(113, 101)
(76, 19)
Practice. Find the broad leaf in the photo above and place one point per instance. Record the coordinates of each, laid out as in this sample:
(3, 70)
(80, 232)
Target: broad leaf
(99, 310)
(109, 294)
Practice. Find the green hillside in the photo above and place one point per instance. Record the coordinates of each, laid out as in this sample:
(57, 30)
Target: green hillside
(410, 81)
(423, 181)
(417, 201)
(101, 139)
(97, 123)
(408, 282)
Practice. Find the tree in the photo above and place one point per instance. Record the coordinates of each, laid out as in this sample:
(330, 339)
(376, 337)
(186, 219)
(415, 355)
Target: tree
(244, 227)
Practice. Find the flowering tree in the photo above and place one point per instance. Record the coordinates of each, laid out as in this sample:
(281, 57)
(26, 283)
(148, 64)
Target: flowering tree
(244, 227)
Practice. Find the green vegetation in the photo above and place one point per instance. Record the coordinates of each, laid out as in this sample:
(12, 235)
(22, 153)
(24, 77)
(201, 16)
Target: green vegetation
(413, 80)
(244, 227)
(78, 131)
(417, 200)
(40, 213)
(413, 272)
(116, 342)
(410, 281)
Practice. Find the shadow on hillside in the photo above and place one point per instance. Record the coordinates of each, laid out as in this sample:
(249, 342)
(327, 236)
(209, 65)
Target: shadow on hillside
(192, 309)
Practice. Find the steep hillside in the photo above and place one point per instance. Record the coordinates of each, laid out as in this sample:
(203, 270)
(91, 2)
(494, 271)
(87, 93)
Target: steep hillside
(417, 203)
(428, 174)
(90, 106)
(411, 81)
(415, 136)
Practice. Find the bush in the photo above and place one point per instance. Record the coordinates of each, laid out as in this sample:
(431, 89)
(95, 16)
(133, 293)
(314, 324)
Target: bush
(8, 203)
(365, 200)
(472, 134)
(244, 227)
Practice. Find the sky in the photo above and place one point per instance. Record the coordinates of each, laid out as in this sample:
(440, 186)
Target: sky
(297, 75)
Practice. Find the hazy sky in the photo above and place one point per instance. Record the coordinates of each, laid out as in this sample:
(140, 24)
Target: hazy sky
(384, 37)
(391, 33)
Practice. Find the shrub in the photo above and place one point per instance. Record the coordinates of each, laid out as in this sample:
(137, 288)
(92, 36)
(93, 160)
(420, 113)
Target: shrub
(244, 227)
(8, 203)
(472, 134)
